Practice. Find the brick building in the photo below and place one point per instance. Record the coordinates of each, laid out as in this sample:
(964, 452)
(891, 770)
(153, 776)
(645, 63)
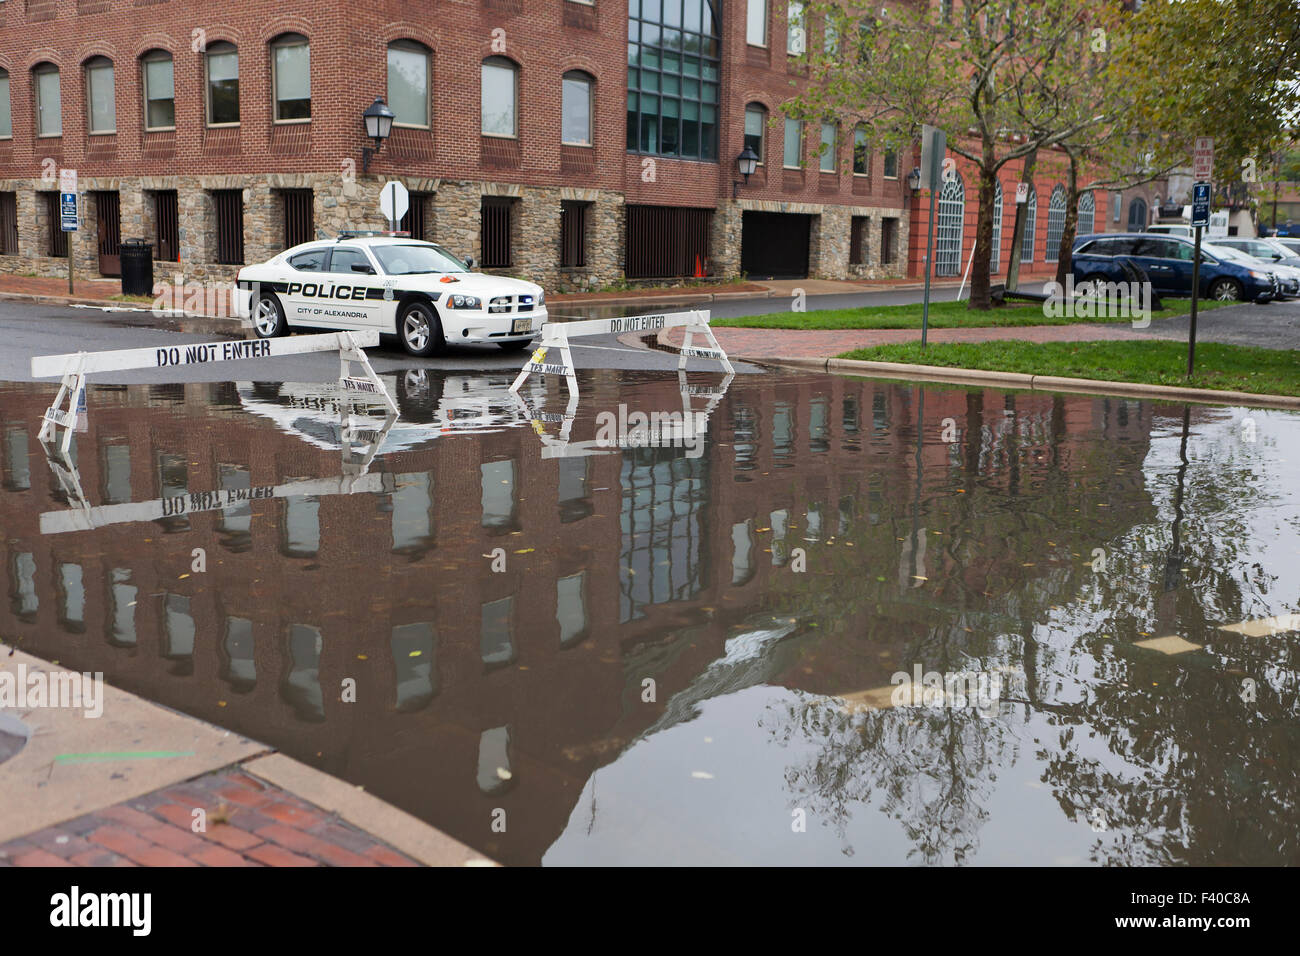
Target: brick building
(572, 141)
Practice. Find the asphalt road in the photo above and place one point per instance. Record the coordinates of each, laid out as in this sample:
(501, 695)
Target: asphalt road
(28, 329)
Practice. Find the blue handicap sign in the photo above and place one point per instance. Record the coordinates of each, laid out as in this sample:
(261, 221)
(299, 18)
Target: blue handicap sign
(1201, 204)
(68, 211)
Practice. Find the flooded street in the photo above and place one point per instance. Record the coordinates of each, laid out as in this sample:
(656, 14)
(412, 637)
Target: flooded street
(564, 653)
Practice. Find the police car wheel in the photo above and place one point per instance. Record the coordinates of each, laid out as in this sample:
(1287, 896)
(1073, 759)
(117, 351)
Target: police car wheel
(517, 346)
(268, 318)
(420, 330)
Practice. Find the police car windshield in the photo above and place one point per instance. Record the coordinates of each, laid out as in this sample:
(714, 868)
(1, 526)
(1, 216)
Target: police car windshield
(402, 260)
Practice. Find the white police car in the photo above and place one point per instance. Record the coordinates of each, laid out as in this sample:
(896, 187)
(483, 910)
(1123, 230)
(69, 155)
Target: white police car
(416, 290)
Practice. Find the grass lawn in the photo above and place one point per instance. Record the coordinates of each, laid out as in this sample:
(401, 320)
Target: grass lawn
(1231, 367)
(943, 315)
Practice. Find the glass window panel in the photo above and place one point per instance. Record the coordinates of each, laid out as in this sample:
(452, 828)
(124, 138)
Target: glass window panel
(240, 662)
(103, 110)
(756, 23)
(48, 104)
(6, 119)
(293, 81)
(18, 471)
(124, 597)
(827, 158)
(72, 587)
(413, 648)
(498, 100)
(495, 644)
(412, 516)
(793, 142)
(302, 688)
(493, 771)
(497, 480)
(178, 627)
(576, 108)
(408, 85)
(160, 103)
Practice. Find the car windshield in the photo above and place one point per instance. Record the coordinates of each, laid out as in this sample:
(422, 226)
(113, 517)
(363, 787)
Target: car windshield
(405, 260)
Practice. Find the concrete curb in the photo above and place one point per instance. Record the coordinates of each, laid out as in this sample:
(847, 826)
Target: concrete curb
(395, 827)
(1041, 383)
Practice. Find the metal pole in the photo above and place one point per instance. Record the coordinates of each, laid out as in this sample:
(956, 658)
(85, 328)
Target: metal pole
(1196, 291)
(69, 236)
(929, 258)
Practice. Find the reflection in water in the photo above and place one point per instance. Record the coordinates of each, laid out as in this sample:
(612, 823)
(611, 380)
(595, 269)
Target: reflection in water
(647, 670)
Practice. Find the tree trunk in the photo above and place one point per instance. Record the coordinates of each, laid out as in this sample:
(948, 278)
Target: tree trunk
(1065, 255)
(979, 282)
(1018, 233)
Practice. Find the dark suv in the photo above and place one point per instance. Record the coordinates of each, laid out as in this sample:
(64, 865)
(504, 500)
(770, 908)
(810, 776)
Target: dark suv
(1167, 260)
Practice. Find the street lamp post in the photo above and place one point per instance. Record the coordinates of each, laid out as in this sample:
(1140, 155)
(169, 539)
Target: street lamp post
(378, 120)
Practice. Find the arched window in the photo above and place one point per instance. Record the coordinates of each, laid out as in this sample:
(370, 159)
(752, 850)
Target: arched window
(408, 83)
(159, 90)
(996, 256)
(576, 108)
(291, 77)
(1137, 215)
(500, 97)
(1031, 226)
(672, 79)
(101, 103)
(1055, 224)
(1087, 214)
(49, 107)
(952, 221)
(756, 129)
(222, 64)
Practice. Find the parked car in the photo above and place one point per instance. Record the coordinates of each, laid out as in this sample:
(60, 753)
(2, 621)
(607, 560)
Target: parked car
(1167, 260)
(416, 290)
(1267, 250)
(1172, 229)
(1292, 244)
(1288, 277)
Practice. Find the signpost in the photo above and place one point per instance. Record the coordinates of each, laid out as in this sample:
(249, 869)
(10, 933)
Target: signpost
(394, 200)
(934, 143)
(68, 211)
(1200, 219)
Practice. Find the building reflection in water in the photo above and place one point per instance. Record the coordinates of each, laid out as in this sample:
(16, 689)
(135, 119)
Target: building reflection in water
(481, 689)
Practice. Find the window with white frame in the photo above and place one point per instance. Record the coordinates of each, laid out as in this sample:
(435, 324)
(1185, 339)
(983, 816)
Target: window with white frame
(500, 97)
(291, 80)
(793, 144)
(101, 106)
(49, 107)
(755, 129)
(6, 118)
(826, 162)
(575, 108)
(222, 63)
(159, 91)
(408, 83)
(756, 23)
(796, 36)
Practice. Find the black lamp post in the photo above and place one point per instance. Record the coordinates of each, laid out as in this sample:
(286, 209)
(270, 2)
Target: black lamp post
(378, 120)
(746, 162)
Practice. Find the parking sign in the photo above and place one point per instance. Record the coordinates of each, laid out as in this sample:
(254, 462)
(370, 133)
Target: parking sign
(68, 212)
(1201, 204)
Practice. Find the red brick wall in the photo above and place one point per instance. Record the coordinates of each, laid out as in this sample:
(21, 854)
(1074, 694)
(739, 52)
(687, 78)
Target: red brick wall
(1051, 168)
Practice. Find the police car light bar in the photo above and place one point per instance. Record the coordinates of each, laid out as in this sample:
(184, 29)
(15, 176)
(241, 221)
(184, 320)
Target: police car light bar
(356, 233)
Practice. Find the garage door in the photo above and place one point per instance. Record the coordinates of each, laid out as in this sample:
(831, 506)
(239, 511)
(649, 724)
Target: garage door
(774, 245)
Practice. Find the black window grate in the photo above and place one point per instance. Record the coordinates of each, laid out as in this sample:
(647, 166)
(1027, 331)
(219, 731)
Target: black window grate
(167, 247)
(228, 207)
(8, 224)
(496, 240)
(58, 244)
(667, 241)
(573, 234)
(415, 221)
(858, 240)
(299, 224)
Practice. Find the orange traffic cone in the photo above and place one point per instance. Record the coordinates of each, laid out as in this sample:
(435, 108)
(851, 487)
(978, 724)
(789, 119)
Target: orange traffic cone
(699, 269)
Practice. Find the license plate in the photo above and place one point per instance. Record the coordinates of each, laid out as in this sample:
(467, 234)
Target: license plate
(521, 325)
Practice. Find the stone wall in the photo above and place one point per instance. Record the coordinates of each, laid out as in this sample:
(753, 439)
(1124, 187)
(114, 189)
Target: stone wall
(452, 218)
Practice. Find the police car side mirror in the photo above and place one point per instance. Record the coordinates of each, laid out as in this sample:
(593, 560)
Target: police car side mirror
(362, 268)
(469, 262)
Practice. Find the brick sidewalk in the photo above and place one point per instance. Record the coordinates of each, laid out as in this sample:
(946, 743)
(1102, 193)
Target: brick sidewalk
(249, 823)
(807, 343)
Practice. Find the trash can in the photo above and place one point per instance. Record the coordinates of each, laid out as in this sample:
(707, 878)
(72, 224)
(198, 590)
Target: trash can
(137, 267)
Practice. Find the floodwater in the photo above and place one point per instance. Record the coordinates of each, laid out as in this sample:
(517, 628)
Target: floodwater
(564, 653)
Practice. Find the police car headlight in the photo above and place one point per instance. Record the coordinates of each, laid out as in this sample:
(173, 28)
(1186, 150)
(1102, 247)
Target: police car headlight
(541, 298)
(465, 302)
